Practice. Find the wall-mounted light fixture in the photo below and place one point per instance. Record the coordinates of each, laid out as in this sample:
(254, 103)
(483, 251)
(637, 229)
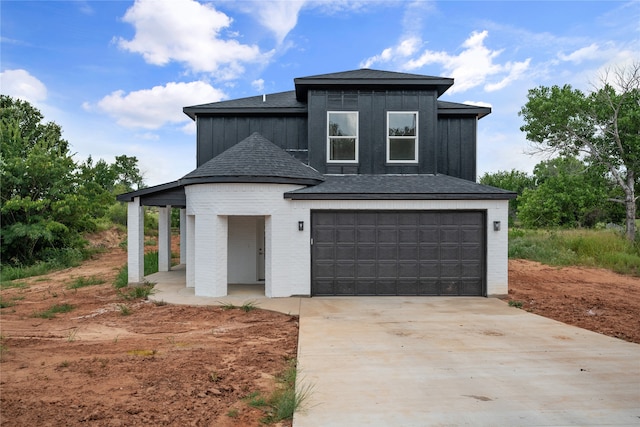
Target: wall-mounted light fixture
(300, 225)
(496, 225)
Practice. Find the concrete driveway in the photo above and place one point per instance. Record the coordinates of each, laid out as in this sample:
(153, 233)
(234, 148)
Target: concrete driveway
(393, 361)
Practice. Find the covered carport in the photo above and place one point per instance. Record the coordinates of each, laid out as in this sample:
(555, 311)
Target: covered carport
(165, 197)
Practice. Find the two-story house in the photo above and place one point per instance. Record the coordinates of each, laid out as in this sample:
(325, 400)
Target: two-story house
(355, 183)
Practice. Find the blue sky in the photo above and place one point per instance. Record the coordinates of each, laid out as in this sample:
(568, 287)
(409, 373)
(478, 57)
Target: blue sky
(116, 74)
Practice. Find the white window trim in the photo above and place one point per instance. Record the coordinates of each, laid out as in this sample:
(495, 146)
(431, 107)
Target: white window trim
(403, 137)
(356, 136)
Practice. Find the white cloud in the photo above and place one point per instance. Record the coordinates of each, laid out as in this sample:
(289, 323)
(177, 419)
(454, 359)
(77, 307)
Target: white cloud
(475, 65)
(158, 106)
(20, 84)
(401, 51)
(258, 85)
(279, 17)
(187, 32)
(583, 54)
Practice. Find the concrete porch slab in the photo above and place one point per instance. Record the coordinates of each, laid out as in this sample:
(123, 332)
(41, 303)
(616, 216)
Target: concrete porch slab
(170, 287)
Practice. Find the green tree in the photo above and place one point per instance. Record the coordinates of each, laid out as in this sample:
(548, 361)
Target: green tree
(513, 180)
(568, 193)
(48, 200)
(41, 207)
(603, 126)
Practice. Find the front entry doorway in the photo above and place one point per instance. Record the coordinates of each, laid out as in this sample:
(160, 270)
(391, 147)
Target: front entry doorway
(246, 250)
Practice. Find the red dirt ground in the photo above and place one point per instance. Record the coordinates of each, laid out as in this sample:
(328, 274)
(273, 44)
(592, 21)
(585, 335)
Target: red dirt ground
(194, 366)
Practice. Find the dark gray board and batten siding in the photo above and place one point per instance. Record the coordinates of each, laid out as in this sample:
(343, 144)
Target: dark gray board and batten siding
(446, 144)
(217, 133)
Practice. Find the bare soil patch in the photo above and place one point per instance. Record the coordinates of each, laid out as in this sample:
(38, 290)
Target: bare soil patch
(195, 366)
(158, 365)
(591, 298)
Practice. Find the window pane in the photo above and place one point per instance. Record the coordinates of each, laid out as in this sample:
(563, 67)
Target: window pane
(401, 124)
(402, 149)
(343, 148)
(343, 124)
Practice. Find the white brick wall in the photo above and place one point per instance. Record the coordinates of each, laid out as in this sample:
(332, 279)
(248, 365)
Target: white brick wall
(288, 253)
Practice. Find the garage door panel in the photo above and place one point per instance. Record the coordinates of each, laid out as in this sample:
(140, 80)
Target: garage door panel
(345, 270)
(470, 253)
(430, 218)
(469, 287)
(449, 235)
(408, 252)
(345, 235)
(449, 253)
(387, 235)
(386, 287)
(429, 235)
(345, 219)
(408, 270)
(471, 236)
(429, 252)
(408, 287)
(366, 287)
(471, 270)
(325, 253)
(367, 253)
(367, 218)
(345, 287)
(366, 235)
(408, 235)
(345, 253)
(398, 253)
(450, 269)
(366, 270)
(324, 270)
(324, 219)
(409, 218)
(387, 218)
(324, 235)
(387, 253)
(387, 270)
(449, 288)
(429, 287)
(323, 287)
(429, 270)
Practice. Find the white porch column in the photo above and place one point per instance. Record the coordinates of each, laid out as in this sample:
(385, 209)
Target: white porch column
(164, 238)
(211, 255)
(135, 241)
(190, 250)
(183, 236)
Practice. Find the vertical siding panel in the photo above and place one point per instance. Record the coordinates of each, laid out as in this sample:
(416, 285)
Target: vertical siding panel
(366, 132)
(454, 147)
(205, 140)
(317, 108)
(468, 149)
(379, 131)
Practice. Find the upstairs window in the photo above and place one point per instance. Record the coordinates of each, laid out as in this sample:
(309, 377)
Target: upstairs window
(402, 137)
(342, 129)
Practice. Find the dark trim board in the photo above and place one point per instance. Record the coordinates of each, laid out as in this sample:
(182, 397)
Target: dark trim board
(436, 253)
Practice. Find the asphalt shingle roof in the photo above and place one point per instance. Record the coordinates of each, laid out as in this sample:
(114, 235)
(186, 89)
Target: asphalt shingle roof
(368, 78)
(254, 159)
(400, 187)
(281, 103)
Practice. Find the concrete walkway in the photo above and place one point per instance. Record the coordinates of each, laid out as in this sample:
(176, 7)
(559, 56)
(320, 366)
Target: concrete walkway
(395, 361)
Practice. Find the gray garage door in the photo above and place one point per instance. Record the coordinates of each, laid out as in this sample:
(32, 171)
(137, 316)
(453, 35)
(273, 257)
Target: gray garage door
(398, 253)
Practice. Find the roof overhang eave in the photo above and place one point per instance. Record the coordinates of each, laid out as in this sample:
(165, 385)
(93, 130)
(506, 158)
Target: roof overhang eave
(293, 195)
